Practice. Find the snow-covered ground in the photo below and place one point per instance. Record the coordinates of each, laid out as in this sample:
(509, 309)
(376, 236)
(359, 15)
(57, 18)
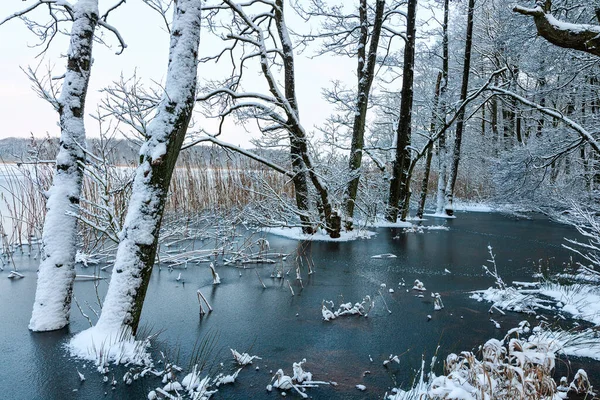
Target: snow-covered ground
(320, 235)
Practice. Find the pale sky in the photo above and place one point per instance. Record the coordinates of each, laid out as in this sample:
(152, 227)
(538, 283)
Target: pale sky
(23, 113)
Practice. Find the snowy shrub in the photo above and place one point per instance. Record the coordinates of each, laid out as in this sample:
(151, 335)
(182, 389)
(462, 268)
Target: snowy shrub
(512, 368)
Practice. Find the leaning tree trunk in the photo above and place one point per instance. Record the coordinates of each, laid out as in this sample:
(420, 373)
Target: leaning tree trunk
(399, 184)
(365, 74)
(139, 238)
(442, 148)
(425, 182)
(449, 208)
(52, 305)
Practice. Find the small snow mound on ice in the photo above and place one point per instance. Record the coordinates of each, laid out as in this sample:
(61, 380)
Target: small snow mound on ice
(105, 346)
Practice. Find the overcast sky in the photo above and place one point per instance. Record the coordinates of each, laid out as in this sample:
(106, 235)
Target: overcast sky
(23, 113)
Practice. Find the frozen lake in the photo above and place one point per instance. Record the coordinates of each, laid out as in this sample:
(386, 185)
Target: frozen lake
(283, 329)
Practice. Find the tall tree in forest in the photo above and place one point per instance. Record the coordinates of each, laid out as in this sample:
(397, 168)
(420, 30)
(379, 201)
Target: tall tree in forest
(365, 73)
(139, 238)
(52, 305)
(460, 123)
(442, 148)
(429, 157)
(399, 182)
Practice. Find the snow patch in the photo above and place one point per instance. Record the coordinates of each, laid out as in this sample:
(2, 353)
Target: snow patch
(321, 235)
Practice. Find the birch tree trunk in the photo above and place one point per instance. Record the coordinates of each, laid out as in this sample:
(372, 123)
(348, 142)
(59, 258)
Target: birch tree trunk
(52, 305)
(453, 173)
(425, 182)
(442, 148)
(398, 184)
(139, 238)
(365, 74)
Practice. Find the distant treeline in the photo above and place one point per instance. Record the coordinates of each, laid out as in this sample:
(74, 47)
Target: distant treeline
(116, 151)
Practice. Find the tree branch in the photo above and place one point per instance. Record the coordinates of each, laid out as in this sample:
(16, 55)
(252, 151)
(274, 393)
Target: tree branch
(582, 37)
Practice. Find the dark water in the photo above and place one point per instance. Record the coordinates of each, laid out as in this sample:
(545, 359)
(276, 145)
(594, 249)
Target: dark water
(282, 328)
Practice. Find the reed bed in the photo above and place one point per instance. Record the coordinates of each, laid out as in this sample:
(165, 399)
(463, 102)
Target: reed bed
(200, 185)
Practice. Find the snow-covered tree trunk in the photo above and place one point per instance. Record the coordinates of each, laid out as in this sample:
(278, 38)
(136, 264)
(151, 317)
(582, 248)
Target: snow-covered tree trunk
(399, 182)
(442, 148)
(425, 182)
(365, 74)
(139, 238)
(453, 173)
(52, 305)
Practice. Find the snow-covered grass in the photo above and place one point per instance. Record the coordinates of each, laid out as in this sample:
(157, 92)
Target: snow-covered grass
(580, 301)
(104, 347)
(360, 308)
(299, 381)
(575, 343)
(511, 368)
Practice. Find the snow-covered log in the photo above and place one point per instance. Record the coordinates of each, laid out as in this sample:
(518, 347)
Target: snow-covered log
(52, 304)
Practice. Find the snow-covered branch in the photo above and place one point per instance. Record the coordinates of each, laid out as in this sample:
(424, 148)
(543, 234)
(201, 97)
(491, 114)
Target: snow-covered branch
(584, 133)
(583, 37)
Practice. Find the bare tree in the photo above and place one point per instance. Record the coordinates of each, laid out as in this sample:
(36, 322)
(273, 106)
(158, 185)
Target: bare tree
(399, 182)
(265, 33)
(365, 74)
(425, 181)
(453, 173)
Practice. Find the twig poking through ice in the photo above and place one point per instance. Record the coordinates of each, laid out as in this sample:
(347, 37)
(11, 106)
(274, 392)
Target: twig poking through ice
(290, 286)
(216, 278)
(261, 281)
(391, 358)
(81, 376)
(201, 296)
(384, 302)
(437, 301)
(15, 275)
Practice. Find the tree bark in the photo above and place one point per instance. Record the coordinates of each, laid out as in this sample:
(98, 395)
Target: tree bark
(365, 74)
(297, 134)
(52, 304)
(449, 207)
(139, 239)
(399, 184)
(425, 182)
